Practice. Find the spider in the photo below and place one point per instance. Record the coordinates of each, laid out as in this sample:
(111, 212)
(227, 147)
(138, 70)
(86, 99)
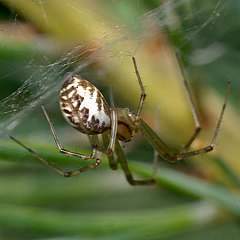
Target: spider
(85, 108)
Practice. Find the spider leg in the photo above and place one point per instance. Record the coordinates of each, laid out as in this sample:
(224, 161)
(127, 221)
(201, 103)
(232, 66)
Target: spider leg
(168, 154)
(155, 155)
(62, 150)
(209, 148)
(56, 169)
(143, 94)
(112, 162)
(125, 168)
(105, 136)
(153, 139)
(193, 108)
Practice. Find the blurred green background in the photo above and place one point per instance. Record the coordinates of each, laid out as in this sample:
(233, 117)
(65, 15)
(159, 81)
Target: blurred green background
(40, 41)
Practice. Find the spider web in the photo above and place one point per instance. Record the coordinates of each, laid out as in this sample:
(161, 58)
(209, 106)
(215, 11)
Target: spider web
(115, 41)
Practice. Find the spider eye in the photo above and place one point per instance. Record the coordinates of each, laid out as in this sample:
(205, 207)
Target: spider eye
(124, 133)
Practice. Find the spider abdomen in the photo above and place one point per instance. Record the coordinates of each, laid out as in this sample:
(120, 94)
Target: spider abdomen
(83, 104)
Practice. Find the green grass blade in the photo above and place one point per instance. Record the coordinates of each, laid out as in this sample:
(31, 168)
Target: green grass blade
(130, 224)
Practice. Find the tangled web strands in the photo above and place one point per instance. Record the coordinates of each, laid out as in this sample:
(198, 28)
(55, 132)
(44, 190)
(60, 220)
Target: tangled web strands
(46, 79)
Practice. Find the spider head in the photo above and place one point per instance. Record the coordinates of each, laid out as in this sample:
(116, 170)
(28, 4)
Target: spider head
(125, 124)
